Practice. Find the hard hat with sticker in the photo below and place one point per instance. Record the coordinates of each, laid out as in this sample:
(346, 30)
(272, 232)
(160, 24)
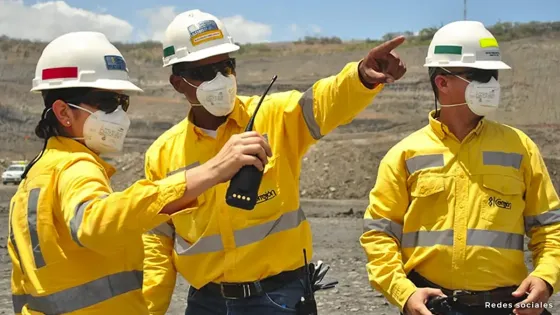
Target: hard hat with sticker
(194, 35)
(465, 44)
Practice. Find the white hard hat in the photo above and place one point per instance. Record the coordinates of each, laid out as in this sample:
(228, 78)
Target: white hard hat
(465, 44)
(82, 59)
(194, 35)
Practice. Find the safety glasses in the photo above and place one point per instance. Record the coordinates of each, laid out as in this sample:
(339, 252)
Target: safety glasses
(209, 71)
(106, 101)
(479, 75)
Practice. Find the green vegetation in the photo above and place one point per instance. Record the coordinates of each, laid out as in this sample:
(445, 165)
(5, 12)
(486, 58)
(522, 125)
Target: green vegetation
(150, 51)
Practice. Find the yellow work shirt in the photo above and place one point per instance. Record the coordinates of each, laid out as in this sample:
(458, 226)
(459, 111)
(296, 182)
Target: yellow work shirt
(456, 212)
(213, 242)
(75, 245)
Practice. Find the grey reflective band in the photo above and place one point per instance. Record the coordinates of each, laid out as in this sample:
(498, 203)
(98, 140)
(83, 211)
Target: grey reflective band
(186, 168)
(502, 159)
(250, 235)
(164, 229)
(88, 294)
(13, 237)
(421, 162)
(76, 221)
(307, 107)
(383, 225)
(547, 218)
(18, 301)
(13, 241)
(207, 244)
(486, 238)
(32, 204)
(427, 238)
(495, 239)
(256, 233)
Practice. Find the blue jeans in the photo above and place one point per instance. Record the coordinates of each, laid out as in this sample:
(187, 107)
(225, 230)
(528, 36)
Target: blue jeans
(280, 302)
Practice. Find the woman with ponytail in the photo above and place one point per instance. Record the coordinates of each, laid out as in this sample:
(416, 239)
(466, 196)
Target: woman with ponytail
(75, 244)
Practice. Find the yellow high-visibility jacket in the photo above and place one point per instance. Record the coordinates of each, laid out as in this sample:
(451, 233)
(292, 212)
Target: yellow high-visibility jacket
(75, 245)
(457, 212)
(213, 242)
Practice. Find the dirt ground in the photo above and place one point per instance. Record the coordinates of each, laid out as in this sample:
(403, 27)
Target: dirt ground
(337, 173)
(336, 226)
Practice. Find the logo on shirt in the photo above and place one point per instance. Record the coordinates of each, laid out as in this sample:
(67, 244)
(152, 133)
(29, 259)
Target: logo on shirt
(266, 196)
(493, 201)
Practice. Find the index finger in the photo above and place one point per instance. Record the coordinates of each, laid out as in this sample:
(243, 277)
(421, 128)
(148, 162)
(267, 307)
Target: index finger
(387, 46)
(248, 134)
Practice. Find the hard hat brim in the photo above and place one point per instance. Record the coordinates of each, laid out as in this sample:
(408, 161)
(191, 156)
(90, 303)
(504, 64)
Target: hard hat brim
(205, 53)
(485, 65)
(104, 84)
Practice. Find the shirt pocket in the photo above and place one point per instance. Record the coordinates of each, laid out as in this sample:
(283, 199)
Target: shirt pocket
(428, 199)
(502, 200)
(269, 200)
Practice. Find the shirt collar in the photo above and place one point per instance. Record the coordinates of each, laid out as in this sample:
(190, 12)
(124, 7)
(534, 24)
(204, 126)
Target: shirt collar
(65, 144)
(238, 116)
(442, 130)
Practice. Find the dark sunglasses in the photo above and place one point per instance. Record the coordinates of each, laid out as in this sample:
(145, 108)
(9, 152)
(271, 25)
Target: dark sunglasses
(209, 72)
(479, 75)
(105, 101)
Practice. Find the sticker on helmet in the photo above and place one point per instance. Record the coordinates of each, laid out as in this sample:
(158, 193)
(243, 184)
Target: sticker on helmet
(204, 31)
(488, 42)
(115, 63)
(448, 49)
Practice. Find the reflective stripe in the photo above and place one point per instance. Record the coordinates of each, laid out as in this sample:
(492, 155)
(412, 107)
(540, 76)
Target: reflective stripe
(18, 301)
(87, 294)
(76, 221)
(495, 239)
(547, 218)
(32, 203)
(385, 226)
(307, 107)
(421, 162)
(253, 234)
(502, 159)
(249, 235)
(13, 238)
(164, 229)
(427, 238)
(207, 244)
(186, 168)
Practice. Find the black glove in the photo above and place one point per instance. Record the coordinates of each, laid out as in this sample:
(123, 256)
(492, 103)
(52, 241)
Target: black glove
(317, 273)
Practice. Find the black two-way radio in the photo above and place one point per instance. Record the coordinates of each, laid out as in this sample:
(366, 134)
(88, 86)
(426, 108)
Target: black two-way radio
(244, 186)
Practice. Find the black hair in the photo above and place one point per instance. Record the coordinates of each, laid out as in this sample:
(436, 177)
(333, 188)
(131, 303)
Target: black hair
(433, 72)
(49, 125)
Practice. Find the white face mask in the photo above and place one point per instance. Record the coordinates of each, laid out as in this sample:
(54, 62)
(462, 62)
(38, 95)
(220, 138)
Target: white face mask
(218, 95)
(481, 98)
(105, 133)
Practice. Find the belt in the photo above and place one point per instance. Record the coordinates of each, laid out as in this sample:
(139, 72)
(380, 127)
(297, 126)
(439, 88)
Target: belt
(241, 290)
(468, 298)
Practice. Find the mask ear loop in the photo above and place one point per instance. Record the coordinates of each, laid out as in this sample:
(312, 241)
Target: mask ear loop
(451, 105)
(187, 82)
(196, 87)
(80, 108)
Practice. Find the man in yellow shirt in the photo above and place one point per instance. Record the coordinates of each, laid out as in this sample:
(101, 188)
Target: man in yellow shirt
(239, 261)
(75, 245)
(453, 200)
